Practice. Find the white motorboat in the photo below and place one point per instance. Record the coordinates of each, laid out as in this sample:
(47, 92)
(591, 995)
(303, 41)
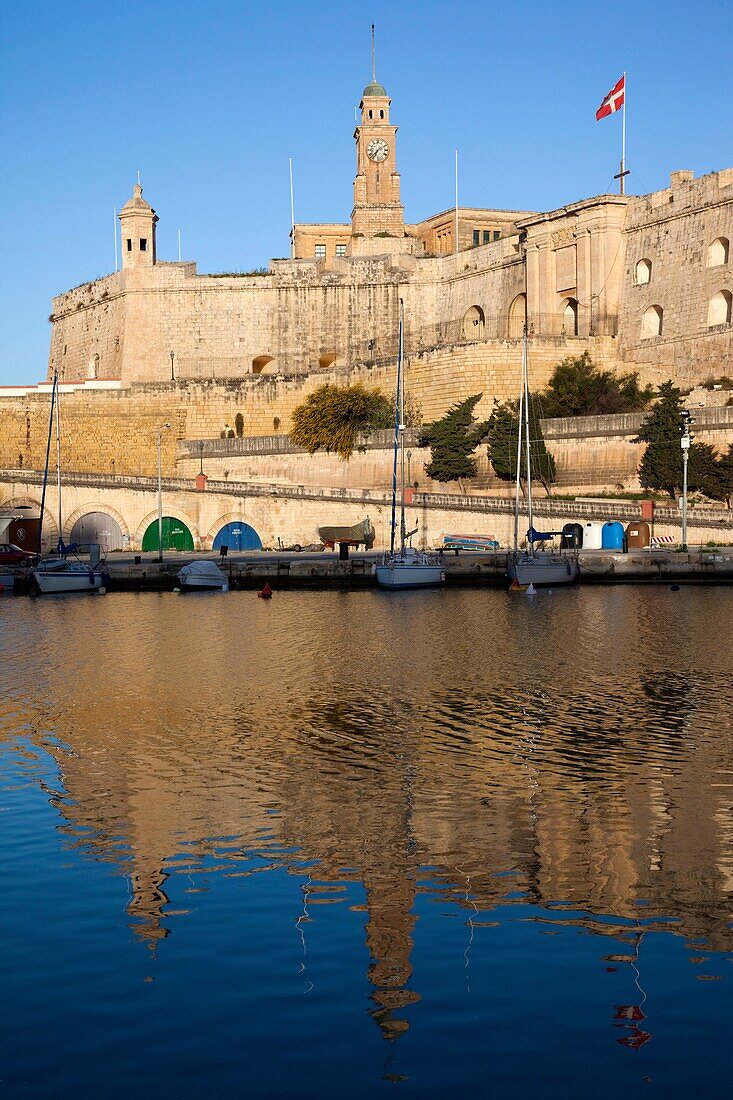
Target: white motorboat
(55, 575)
(404, 567)
(203, 576)
(530, 566)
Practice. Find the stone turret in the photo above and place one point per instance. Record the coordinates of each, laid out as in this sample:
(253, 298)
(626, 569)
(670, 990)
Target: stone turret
(137, 227)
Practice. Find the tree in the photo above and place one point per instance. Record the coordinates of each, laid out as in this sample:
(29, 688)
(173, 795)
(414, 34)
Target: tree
(725, 468)
(332, 417)
(503, 434)
(661, 464)
(578, 388)
(452, 440)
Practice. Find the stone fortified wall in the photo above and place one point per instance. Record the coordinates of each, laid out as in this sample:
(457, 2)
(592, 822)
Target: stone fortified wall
(673, 230)
(114, 430)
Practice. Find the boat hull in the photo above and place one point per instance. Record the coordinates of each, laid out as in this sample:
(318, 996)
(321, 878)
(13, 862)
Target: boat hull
(409, 575)
(205, 576)
(542, 571)
(199, 585)
(59, 581)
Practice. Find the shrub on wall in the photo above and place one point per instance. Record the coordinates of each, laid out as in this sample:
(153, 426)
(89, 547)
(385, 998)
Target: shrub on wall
(332, 417)
(578, 388)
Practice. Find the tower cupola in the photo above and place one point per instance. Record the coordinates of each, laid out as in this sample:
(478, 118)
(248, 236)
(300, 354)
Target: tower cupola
(137, 227)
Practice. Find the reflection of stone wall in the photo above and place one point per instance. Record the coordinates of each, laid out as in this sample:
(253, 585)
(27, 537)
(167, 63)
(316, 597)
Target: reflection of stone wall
(596, 788)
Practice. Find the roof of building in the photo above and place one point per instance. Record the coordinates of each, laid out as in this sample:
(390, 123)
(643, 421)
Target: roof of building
(137, 203)
(373, 89)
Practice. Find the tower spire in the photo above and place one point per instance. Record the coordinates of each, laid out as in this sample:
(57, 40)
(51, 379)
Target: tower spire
(374, 61)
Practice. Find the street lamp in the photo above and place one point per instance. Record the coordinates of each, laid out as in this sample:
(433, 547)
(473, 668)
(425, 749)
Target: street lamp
(685, 437)
(162, 428)
(172, 355)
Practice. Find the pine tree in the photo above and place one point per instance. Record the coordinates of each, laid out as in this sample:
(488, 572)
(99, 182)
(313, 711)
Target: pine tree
(452, 440)
(661, 464)
(502, 440)
(725, 466)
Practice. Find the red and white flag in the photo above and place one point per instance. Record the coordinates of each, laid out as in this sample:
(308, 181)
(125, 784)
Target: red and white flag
(614, 100)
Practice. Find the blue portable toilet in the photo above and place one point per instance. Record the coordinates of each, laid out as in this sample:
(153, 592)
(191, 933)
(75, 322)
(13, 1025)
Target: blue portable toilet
(612, 536)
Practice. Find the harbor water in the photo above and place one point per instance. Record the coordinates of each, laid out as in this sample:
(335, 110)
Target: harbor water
(354, 844)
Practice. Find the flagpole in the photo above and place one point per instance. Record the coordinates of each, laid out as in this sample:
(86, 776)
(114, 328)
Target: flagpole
(456, 201)
(292, 213)
(623, 139)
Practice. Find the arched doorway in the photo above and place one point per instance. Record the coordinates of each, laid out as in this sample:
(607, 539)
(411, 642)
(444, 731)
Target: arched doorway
(176, 536)
(517, 316)
(237, 535)
(101, 528)
(262, 363)
(474, 323)
(569, 313)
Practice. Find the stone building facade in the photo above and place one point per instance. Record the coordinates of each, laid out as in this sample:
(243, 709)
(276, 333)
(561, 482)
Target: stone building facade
(641, 282)
(653, 272)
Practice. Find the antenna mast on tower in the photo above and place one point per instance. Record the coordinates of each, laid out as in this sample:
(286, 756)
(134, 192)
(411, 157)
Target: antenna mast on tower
(374, 60)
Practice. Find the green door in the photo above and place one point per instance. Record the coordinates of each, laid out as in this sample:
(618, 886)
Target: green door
(176, 536)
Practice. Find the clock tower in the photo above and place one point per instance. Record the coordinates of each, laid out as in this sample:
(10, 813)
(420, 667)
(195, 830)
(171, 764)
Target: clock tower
(377, 207)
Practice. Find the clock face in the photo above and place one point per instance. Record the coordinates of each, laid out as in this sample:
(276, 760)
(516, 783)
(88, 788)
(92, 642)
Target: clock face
(378, 149)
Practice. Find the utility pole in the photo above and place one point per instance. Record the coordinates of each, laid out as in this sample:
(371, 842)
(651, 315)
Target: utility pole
(685, 421)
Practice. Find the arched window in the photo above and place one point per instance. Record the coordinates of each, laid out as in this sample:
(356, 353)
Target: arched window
(569, 310)
(260, 362)
(643, 272)
(94, 366)
(651, 322)
(719, 309)
(718, 252)
(517, 316)
(474, 323)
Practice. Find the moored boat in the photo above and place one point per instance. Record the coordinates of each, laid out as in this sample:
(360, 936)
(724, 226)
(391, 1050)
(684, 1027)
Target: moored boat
(405, 567)
(539, 568)
(203, 576)
(59, 575)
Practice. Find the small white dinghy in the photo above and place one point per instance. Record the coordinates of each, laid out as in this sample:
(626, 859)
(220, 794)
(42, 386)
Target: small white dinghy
(203, 576)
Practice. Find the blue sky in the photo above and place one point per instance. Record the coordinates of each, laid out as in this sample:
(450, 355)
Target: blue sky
(208, 101)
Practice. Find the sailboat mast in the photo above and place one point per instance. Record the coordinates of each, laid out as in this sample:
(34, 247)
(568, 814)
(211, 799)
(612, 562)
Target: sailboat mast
(517, 486)
(401, 416)
(48, 456)
(58, 459)
(525, 374)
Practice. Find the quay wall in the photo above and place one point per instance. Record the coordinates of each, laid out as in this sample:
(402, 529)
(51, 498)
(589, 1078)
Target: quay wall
(293, 514)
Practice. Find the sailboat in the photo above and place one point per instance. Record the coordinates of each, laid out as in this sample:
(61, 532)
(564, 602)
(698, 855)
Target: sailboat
(530, 566)
(405, 567)
(60, 573)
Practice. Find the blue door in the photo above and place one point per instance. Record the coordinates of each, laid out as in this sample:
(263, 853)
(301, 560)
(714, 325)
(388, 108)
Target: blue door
(237, 536)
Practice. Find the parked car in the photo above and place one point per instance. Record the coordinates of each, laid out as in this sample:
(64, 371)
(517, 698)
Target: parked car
(14, 555)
